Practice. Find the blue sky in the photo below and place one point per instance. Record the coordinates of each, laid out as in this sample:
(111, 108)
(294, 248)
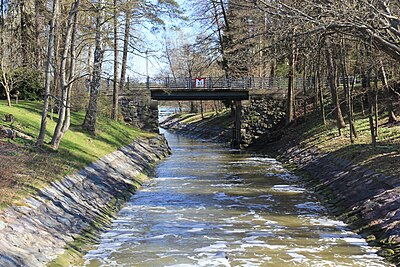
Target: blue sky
(137, 64)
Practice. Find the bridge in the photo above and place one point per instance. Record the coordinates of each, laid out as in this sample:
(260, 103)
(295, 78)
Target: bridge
(212, 88)
(192, 89)
(201, 88)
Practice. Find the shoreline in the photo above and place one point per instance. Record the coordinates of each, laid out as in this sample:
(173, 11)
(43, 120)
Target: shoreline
(48, 228)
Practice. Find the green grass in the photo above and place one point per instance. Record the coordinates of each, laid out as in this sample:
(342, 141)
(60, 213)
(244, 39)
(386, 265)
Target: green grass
(37, 168)
(384, 157)
(210, 117)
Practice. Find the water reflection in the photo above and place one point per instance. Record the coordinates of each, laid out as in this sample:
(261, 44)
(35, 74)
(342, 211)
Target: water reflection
(210, 206)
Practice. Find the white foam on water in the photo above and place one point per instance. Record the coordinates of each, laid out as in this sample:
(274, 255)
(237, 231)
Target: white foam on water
(214, 260)
(257, 242)
(160, 179)
(231, 220)
(249, 263)
(308, 250)
(311, 206)
(255, 161)
(325, 263)
(288, 189)
(370, 260)
(195, 230)
(325, 221)
(356, 241)
(277, 169)
(221, 196)
(218, 246)
(235, 231)
(182, 265)
(298, 257)
(258, 218)
(159, 237)
(224, 185)
(267, 246)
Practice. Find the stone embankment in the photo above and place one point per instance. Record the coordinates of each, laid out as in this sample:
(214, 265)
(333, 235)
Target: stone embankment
(367, 200)
(39, 229)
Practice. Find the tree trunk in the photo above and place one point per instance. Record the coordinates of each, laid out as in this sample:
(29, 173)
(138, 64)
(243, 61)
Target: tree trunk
(371, 106)
(64, 84)
(89, 123)
(56, 59)
(391, 115)
(222, 38)
(351, 90)
(47, 86)
(376, 115)
(319, 89)
(202, 109)
(346, 87)
(37, 36)
(114, 111)
(290, 93)
(67, 121)
(334, 93)
(24, 37)
(125, 51)
(304, 90)
(371, 113)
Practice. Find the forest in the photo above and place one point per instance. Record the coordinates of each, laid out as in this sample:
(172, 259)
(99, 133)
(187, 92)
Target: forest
(346, 53)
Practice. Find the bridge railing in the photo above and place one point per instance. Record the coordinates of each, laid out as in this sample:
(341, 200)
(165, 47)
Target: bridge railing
(220, 83)
(247, 83)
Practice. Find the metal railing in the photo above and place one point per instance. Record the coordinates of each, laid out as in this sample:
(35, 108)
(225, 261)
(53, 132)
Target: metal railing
(244, 83)
(262, 85)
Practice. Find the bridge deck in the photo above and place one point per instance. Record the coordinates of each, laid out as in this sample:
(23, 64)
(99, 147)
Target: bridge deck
(198, 94)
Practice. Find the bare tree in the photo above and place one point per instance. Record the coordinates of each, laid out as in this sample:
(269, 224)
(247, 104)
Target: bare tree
(128, 16)
(64, 83)
(89, 123)
(48, 71)
(114, 110)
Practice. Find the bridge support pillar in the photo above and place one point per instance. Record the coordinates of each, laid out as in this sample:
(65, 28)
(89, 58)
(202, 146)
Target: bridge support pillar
(237, 127)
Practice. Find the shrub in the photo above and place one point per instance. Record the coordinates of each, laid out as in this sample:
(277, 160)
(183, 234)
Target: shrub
(28, 82)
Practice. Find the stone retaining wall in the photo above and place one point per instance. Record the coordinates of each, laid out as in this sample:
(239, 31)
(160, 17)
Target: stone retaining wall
(258, 117)
(37, 231)
(139, 111)
(367, 200)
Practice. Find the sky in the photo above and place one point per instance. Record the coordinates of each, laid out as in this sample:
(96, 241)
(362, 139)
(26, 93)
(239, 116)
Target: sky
(154, 42)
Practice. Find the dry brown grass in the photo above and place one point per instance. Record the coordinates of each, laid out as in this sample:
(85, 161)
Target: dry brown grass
(13, 172)
(24, 171)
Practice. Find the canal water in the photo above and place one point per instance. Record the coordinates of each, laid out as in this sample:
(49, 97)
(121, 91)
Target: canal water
(212, 206)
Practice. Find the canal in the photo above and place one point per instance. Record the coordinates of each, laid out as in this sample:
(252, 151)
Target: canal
(212, 206)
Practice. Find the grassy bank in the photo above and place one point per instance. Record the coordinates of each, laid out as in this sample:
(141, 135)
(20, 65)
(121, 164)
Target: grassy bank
(313, 135)
(221, 119)
(25, 169)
